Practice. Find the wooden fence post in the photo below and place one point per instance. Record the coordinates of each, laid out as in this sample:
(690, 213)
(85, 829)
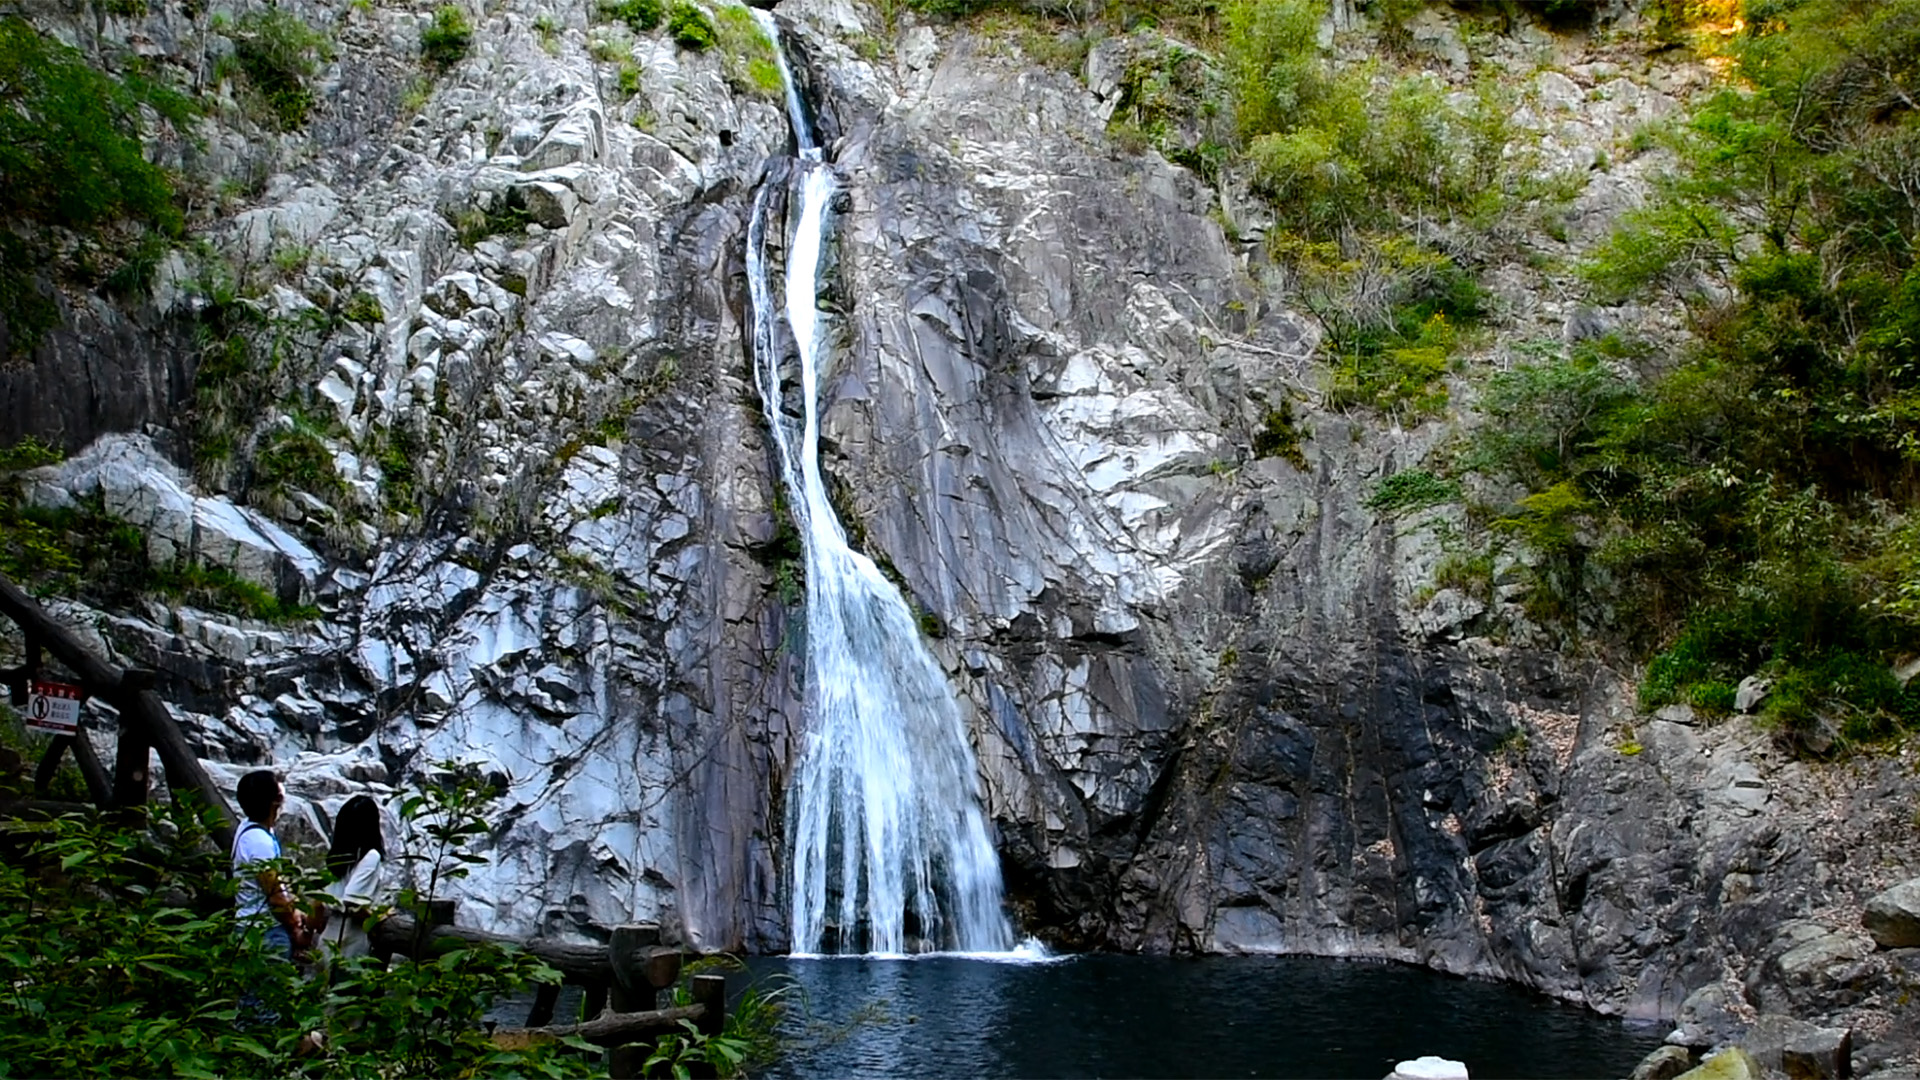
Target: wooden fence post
(544, 1000)
(710, 991)
(130, 779)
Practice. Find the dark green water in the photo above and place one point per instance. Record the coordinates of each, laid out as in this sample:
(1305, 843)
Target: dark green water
(1130, 1016)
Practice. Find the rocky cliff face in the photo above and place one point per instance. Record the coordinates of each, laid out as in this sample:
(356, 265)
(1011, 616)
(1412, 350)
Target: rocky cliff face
(1218, 704)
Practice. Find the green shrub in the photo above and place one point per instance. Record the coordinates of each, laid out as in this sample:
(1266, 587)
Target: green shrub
(750, 1040)
(1756, 497)
(70, 137)
(748, 53)
(399, 471)
(1397, 373)
(951, 9)
(124, 958)
(1279, 436)
(1713, 698)
(78, 549)
(1412, 489)
(216, 588)
(279, 55)
(641, 15)
(71, 154)
(690, 27)
(1661, 243)
(764, 76)
(1272, 55)
(447, 39)
(1170, 99)
(1542, 419)
(29, 453)
(1470, 572)
(82, 550)
(364, 307)
(295, 459)
(503, 217)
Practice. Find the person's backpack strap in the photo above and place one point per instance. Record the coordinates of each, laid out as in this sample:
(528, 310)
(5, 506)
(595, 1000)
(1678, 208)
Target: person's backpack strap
(251, 824)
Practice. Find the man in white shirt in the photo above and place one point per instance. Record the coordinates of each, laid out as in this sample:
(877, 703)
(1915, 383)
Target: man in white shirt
(261, 893)
(255, 847)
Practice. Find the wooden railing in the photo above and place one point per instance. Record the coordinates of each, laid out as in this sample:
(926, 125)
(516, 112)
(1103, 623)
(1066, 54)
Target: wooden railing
(621, 982)
(145, 722)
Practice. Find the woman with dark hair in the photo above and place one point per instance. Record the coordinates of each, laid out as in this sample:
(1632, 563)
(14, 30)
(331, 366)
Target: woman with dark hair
(354, 860)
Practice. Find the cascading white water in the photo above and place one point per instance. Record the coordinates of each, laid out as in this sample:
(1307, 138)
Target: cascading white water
(890, 848)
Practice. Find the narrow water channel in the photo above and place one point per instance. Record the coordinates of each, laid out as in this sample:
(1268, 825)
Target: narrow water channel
(1131, 1016)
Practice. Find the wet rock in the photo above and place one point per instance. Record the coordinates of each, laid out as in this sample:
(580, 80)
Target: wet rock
(1664, 1063)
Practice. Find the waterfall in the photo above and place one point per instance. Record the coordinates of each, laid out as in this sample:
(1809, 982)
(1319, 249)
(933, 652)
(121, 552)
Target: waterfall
(890, 851)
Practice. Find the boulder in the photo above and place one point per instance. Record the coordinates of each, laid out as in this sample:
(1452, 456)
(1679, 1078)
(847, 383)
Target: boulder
(134, 481)
(1752, 691)
(1811, 967)
(1802, 1050)
(1664, 1064)
(1820, 1054)
(1710, 1016)
(1732, 1063)
(1429, 1068)
(1892, 918)
(1676, 714)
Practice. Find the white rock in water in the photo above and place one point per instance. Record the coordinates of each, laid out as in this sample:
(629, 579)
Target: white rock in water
(1429, 1068)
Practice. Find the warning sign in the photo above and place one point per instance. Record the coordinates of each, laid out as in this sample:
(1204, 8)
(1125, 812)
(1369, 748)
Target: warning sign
(53, 707)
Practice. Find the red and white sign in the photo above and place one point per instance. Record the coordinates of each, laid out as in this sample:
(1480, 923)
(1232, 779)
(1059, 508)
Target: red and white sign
(53, 707)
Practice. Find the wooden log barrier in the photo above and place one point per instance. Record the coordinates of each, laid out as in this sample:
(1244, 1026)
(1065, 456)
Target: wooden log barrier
(612, 1030)
(628, 973)
(544, 1000)
(586, 965)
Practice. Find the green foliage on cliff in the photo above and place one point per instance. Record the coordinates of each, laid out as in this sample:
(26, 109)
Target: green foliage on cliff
(71, 160)
(1164, 92)
(1748, 507)
(690, 27)
(1279, 436)
(641, 15)
(447, 38)
(70, 137)
(1412, 489)
(1333, 148)
(279, 56)
(748, 53)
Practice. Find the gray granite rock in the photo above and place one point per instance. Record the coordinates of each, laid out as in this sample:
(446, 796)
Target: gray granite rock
(1892, 917)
